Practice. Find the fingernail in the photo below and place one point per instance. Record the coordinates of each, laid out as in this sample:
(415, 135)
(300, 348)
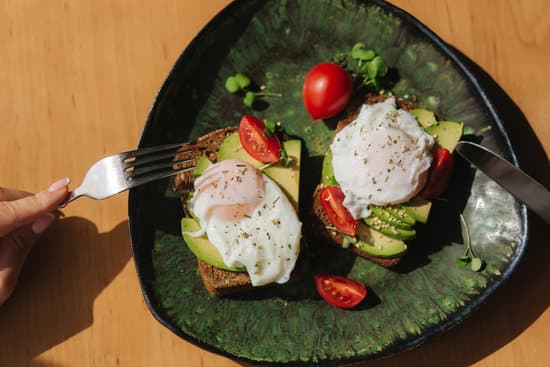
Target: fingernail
(42, 223)
(59, 184)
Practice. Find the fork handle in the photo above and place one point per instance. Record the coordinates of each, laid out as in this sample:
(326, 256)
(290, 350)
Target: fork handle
(73, 195)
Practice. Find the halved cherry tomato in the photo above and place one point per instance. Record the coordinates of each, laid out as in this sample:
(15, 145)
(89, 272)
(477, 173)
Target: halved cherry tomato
(332, 200)
(340, 291)
(256, 143)
(439, 174)
(327, 90)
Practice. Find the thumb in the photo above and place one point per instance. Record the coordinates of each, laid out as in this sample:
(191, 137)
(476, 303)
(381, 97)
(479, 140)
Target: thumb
(17, 213)
(14, 250)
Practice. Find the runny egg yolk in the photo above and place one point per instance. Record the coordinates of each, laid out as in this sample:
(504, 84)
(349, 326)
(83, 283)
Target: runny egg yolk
(381, 158)
(234, 186)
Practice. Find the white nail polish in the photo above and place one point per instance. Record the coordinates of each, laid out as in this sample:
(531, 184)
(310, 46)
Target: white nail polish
(59, 184)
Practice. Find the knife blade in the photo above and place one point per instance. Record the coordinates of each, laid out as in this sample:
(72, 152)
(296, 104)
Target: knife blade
(522, 186)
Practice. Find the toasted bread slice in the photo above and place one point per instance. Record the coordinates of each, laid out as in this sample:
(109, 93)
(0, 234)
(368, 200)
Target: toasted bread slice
(218, 281)
(221, 282)
(318, 220)
(224, 283)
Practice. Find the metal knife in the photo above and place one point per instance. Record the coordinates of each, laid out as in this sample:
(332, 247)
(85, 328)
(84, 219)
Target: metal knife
(512, 179)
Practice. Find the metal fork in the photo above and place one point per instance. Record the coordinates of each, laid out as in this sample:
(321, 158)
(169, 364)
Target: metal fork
(116, 173)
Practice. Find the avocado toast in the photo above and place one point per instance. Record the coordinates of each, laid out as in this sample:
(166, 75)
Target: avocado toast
(218, 146)
(381, 235)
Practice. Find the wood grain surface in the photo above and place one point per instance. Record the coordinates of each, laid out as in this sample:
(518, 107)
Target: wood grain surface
(77, 79)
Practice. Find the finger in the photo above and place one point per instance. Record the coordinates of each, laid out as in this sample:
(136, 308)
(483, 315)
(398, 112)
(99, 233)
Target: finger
(12, 194)
(14, 250)
(14, 214)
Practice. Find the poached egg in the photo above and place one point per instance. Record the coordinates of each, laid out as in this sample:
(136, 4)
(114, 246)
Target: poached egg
(381, 158)
(249, 220)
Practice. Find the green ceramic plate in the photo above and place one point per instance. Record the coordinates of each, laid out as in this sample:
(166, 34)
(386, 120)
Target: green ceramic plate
(276, 42)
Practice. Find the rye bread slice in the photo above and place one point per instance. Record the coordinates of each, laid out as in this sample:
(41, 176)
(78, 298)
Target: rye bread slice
(318, 220)
(221, 282)
(207, 145)
(225, 283)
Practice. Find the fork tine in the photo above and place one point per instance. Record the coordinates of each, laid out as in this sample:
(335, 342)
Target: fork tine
(146, 178)
(119, 172)
(154, 157)
(135, 172)
(182, 147)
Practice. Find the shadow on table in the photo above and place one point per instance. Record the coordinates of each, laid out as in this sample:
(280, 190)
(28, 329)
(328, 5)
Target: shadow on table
(526, 295)
(54, 300)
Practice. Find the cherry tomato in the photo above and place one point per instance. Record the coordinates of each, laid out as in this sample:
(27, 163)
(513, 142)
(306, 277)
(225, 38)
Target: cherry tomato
(439, 174)
(340, 291)
(256, 143)
(327, 90)
(332, 200)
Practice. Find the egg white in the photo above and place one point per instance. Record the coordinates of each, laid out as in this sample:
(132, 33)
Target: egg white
(265, 240)
(381, 158)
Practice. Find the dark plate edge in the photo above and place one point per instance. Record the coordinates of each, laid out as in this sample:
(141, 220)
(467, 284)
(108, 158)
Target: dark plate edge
(454, 319)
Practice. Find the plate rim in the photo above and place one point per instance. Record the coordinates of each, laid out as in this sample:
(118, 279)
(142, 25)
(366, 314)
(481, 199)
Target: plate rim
(455, 318)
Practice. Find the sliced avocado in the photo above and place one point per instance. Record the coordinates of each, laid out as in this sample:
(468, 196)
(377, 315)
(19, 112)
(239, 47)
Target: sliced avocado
(377, 244)
(231, 148)
(425, 118)
(327, 171)
(418, 208)
(288, 178)
(389, 230)
(400, 214)
(202, 248)
(446, 133)
(189, 198)
(202, 164)
(389, 218)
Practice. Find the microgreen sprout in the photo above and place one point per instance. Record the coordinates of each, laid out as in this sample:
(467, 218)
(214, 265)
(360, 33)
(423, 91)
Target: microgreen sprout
(272, 127)
(469, 257)
(250, 97)
(285, 161)
(276, 128)
(237, 82)
(241, 84)
(364, 65)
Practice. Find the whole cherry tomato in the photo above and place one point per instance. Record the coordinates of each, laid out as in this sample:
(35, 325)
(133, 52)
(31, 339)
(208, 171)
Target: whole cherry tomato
(327, 90)
(439, 174)
(340, 291)
(256, 143)
(332, 200)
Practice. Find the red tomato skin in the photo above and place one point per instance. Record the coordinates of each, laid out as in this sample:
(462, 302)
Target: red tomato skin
(332, 199)
(439, 175)
(327, 90)
(256, 143)
(340, 291)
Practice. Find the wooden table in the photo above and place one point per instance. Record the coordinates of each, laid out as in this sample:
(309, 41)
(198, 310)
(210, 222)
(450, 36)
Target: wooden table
(77, 79)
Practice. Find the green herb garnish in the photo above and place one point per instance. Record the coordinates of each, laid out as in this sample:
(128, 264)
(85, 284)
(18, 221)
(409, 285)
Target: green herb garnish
(276, 128)
(285, 159)
(469, 257)
(364, 65)
(238, 82)
(272, 128)
(241, 84)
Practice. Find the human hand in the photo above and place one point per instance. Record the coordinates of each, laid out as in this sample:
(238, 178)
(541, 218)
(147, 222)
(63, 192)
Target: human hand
(23, 218)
